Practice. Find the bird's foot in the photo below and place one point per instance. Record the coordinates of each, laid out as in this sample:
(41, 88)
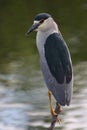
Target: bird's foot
(53, 113)
(55, 116)
(57, 110)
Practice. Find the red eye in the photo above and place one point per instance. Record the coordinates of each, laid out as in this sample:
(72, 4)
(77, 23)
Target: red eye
(41, 21)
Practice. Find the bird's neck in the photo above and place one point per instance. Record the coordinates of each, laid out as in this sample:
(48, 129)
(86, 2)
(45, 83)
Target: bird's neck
(42, 36)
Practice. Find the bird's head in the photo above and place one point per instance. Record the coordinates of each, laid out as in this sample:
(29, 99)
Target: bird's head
(42, 22)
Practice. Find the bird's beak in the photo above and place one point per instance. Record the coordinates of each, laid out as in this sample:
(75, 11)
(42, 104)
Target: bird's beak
(32, 28)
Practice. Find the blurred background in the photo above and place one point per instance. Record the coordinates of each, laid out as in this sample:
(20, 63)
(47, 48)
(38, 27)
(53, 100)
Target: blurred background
(24, 104)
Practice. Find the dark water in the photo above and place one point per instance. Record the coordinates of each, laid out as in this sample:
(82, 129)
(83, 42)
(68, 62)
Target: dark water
(24, 104)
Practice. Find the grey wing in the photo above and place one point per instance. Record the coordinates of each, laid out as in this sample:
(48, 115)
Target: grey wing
(59, 63)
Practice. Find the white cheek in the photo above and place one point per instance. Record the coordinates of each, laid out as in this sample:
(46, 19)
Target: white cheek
(43, 26)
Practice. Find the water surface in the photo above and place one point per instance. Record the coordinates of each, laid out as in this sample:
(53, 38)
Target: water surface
(27, 109)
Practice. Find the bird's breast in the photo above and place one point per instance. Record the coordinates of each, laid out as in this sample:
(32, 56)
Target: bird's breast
(41, 39)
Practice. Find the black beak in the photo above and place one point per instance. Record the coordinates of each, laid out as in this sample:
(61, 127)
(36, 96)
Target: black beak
(32, 28)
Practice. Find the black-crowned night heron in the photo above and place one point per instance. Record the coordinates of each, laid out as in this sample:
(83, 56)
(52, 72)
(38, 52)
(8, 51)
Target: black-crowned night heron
(55, 59)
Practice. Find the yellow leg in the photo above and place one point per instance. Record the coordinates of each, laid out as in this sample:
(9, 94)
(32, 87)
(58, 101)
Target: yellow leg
(51, 107)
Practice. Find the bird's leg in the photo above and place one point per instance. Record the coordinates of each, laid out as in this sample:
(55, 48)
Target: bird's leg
(51, 107)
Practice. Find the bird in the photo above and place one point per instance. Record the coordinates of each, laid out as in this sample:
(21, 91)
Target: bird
(55, 59)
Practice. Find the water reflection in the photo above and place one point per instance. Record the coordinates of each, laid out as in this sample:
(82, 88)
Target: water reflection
(28, 109)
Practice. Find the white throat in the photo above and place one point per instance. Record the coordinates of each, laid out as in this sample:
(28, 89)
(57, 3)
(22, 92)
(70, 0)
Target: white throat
(42, 35)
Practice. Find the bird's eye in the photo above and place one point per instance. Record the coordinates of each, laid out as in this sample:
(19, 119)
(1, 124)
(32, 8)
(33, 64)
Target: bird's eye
(41, 21)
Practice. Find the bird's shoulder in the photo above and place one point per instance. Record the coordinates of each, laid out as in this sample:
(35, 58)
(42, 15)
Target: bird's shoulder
(55, 40)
